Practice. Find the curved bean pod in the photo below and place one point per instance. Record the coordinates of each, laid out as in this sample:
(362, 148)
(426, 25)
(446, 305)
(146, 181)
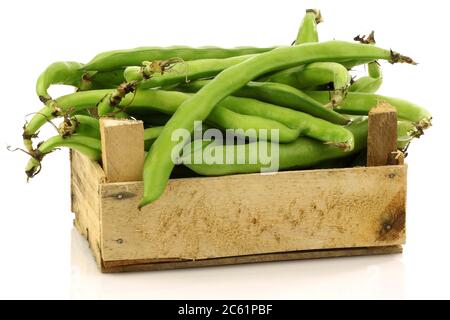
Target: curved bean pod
(302, 153)
(245, 113)
(88, 146)
(374, 70)
(163, 101)
(281, 95)
(158, 164)
(169, 101)
(366, 85)
(111, 101)
(62, 72)
(80, 124)
(107, 79)
(306, 124)
(371, 83)
(117, 59)
(406, 132)
(180, 71)
(361, 103)
(308, 27)
(314, 75)
(72, 102)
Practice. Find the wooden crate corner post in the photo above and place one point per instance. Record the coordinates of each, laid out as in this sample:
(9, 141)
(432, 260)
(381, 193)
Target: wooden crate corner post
(122, 149)
(382, 137)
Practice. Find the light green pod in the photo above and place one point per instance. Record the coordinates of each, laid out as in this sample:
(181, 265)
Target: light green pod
(62, 72)
(313, 75)
(158, 164)
(80, 124)
(302, 153)
(245, 113)
(88, 146)
(278, 94)
(361, 103)
(181, 71)
(113, 60)
(370, 83)
(308, 27)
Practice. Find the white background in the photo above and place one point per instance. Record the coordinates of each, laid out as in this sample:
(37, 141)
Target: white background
(41, 256)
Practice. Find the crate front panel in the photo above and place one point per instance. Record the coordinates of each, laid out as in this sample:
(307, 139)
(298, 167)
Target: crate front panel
(200, 218)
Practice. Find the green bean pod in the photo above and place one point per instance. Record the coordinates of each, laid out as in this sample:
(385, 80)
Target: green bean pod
(111, 101)
(158, 164)
(180, 72)
(150, 135)
(370, 83)
(62, 72)
(281, 95)
(306, 124)
(81, 124)
(374, 70)
(71, 103)
(166, 102)
(366, 85)
(361, 103)
(302, 153)
(113, 60)
(350, 64)
(222, 116)
(88, 146)
(308, 27)
(406, 132)
(314, 75)
(107, 79)
(245, 113)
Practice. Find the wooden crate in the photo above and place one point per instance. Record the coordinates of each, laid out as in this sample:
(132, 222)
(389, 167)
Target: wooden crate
(205, 221)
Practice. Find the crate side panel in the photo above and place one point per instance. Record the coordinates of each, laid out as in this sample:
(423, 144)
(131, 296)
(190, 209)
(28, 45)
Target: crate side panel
(135, 265)
(201, 218)
(86, 177)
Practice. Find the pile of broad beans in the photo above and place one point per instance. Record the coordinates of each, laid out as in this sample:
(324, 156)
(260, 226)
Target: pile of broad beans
(304, 93)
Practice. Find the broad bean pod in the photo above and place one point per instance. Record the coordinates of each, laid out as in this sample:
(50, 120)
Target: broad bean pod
(112, 60)
(281, 95)
(308, 28)
(70, 103)
(302, 153)
(314, 75)
(361, 103)
(245, 113)
(62, 72)
(168, 102)
(180, 71)
(158, 164)
(81, 124)
(106, 79)
(370, 83)
(111, 101)
(88, 146)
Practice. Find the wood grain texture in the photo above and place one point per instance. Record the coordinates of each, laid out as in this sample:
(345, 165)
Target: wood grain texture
(122, 149)
(152, 265)
(200, 218)
(382, 135)
(86, 178)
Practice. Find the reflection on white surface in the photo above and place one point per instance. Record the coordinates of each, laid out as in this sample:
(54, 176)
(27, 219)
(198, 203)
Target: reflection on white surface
(355, 277)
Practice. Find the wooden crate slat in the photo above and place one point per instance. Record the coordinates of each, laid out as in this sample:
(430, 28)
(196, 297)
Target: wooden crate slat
(152, 265)
(288, 211)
